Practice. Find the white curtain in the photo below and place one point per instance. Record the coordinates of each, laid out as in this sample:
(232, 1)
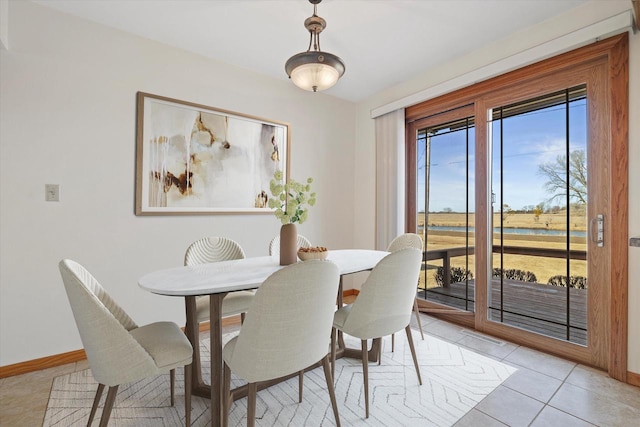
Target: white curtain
(390, 177)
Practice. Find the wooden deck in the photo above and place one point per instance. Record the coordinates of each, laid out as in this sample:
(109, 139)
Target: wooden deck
(532, 306)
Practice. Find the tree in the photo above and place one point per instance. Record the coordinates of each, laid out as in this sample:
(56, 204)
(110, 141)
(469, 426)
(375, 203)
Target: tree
(556, 174)
(506, 211)
(537, 211)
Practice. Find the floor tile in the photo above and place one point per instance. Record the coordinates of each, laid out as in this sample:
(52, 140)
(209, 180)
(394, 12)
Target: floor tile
(552, 417)
(533, 384)
(425, 319)
(544, 363)
(81, 365)
(24, 398)
(32, 417)
(510, 407)
(448, 331)
(594, 407)
(599, 382)
(485, 346)
(475, 418)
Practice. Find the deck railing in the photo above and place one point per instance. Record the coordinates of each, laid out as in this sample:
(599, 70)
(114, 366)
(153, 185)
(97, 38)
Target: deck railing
(446, 254)
(533, 306)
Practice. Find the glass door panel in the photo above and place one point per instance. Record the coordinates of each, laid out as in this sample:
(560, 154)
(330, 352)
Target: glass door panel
(445, 193)
(539, 201)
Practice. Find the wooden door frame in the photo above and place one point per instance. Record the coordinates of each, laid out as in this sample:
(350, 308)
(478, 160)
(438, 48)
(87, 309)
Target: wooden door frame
(614, 53)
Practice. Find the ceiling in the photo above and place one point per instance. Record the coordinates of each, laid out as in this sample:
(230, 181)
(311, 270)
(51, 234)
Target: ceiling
(382, 42)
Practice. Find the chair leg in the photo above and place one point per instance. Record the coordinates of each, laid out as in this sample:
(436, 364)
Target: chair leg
(251, 405)
(380, 353)
(172, 381)
(393, 342)
(333, 352)
(332, 392)
(226, 397)
(108, 404)
(96, 401)
(242, 318)
(300, 385)
(365, 372)
(413, 352)
(417, 311)
(187, 395)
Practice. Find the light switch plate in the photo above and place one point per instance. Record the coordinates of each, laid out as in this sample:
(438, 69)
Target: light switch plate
(52, 192)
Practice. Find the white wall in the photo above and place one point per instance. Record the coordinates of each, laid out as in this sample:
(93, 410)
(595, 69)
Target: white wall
(590, 13)
(68, 109)
(4, 24)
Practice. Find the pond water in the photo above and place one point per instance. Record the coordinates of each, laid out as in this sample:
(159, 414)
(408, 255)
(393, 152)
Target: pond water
(526, 231)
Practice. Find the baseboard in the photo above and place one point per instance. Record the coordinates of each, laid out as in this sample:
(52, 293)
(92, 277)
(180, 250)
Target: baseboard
(42, 363)
(633, 378)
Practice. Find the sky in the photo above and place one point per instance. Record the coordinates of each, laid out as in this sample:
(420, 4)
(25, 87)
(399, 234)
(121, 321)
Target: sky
(529, 140)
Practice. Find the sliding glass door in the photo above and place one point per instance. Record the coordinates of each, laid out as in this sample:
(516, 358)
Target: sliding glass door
(539, 214)
(518, 185)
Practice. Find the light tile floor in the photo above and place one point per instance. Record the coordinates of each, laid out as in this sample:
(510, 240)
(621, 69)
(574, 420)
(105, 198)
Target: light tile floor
(544, 391)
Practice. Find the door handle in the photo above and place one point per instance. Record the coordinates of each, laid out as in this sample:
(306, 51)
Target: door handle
(598, 236)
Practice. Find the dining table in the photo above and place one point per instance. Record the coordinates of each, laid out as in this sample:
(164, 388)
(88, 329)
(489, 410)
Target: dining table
(217, 280)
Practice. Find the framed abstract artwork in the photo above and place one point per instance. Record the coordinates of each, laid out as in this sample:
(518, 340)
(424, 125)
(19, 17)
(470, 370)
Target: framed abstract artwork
(195, 159)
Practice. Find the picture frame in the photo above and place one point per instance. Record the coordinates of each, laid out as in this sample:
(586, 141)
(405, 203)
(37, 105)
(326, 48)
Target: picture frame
(195, 159)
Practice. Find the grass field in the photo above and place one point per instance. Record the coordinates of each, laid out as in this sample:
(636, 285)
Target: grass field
(542, 267)
(549, 221)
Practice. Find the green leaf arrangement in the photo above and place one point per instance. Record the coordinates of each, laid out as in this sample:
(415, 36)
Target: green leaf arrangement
(291, 200)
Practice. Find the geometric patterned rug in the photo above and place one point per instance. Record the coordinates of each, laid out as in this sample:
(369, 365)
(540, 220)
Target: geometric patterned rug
(454, 380)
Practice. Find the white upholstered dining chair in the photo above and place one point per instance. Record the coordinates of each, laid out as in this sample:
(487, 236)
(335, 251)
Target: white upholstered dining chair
(286, 330)
(274, 245)
(118, 350)
(383, 307)
(407, 240)
(216, 249)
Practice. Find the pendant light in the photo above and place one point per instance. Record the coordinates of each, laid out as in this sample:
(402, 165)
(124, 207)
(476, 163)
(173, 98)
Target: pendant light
(314, 70)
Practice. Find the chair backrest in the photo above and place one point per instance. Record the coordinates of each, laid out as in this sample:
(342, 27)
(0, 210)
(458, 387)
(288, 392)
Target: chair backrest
(407, 240)
(212, 249)
(288, 326)
(115, 357)
(386, 298)
(274, 246)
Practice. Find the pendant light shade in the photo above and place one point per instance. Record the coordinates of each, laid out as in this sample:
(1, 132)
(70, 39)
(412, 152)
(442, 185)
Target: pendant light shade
(314, 70)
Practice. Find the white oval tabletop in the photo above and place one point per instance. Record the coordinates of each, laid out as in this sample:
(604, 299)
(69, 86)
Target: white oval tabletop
(247, 273)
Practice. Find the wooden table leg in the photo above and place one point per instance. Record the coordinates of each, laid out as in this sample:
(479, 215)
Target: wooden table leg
(215, 310)
(193, 335)
(198, 387)
(353, 353)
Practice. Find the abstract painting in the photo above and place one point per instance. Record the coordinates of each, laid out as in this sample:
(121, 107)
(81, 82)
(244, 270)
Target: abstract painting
(194, 159)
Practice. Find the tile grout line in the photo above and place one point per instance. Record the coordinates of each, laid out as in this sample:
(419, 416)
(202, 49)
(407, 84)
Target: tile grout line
(564, 381)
